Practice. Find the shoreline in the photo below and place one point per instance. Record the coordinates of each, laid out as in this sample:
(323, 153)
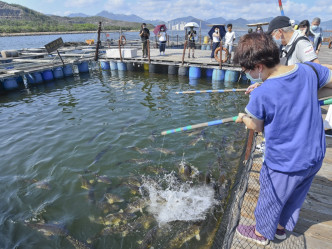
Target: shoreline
(60, 32)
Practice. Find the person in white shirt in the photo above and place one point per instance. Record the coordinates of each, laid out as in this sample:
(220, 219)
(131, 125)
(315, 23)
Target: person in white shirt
(162, 38)
(229, 40)
(216, 41)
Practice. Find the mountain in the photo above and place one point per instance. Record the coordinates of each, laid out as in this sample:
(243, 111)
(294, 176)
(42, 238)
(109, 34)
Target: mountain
(217, 20)
(77, 15)
(15, 18)
(128, 18)
(183, 20)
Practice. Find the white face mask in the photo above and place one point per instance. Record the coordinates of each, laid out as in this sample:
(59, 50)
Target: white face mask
(259, 79)
(314, 27)
(303, 30)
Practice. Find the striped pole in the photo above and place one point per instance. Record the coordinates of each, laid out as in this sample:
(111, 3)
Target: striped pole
(281, 9)
(214, 91)
(190, 127)
(325, 102)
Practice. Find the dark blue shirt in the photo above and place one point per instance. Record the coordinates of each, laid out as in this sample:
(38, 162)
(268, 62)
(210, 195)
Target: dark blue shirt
(293, 125)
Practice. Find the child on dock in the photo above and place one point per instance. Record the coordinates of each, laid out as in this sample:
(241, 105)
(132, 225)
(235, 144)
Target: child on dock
(144, 34)
(162, 38)
(229, 40)
(191, 40)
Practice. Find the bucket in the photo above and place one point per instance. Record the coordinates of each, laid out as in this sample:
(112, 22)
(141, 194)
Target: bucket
(105, 65)
(68, 70)
(58, 73)
(122, 66)
(183, 71)
(194, 72)
(47, 75)
(10, 84)
(231, 76)
(218, 75)
(83, 67)
(209, 72)
(113, 65)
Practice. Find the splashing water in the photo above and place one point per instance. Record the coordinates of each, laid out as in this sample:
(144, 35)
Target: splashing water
(171, 200)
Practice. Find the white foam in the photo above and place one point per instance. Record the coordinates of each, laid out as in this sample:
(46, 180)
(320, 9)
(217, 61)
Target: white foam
(171, 200)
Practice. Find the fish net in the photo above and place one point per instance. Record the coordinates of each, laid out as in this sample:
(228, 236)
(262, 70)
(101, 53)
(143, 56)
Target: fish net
(242, 203)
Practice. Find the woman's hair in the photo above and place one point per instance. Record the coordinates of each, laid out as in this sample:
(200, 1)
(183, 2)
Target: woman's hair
(305, 24)
(257, 48)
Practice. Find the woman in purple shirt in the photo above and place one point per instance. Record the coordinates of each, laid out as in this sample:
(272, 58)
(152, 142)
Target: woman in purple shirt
(286, 108)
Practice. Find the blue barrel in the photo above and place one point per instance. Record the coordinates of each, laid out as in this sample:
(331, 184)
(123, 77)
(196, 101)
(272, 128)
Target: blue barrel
(19, 80)
(10, 84)
(209, 72)
(68, 70)
(231, 76)
(105, 65)
(113, 65)
(122, 66)
(47, 75)
(203, 47)
(83, 67)
(193, 81)
(208, 47)
(218, 75)
(58, 73)
(34, 78)
(194, 72)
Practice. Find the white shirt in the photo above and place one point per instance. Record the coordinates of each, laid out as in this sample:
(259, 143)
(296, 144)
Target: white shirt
(162, 36)
(303, 52)
(229, 38)
(216, 38)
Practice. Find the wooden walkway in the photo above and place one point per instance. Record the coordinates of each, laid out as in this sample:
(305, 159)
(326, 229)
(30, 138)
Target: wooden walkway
(314, 227)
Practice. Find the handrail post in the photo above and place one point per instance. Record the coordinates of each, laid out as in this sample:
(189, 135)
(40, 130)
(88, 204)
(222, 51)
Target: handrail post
(184, 51)
(148, 44)
(220, 44)
(120, 50)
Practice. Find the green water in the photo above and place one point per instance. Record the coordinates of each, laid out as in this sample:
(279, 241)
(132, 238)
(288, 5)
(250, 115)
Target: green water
(56, 134)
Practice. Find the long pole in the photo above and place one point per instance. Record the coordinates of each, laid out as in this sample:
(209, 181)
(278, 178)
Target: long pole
(98, 42)
(214, 91)
(190, 127)
(281, 9)
(326, 102)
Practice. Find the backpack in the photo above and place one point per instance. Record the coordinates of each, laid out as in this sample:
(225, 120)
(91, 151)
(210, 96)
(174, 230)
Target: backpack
(284, 60)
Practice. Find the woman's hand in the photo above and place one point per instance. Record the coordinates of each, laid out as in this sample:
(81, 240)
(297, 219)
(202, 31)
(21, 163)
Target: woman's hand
(240, 118)
(251, 88)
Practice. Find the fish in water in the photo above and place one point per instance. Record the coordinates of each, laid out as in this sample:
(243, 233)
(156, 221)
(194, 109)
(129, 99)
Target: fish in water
(100, 154)
(119, 218)
(196, 140)
(107, 207)
(165, 151)
(123, 229)
(103, 179)
(43, 185)
(194, 132)
(208, 177)
(183, 237)
(86, 184)
(78, 244)
(141, 151)
(49, 229)
(111, 198)
(137, 206)
(97, 135)
(149, 238)
(139, 161)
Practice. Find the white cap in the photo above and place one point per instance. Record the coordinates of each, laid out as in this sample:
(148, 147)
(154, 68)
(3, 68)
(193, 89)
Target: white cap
(292, 22)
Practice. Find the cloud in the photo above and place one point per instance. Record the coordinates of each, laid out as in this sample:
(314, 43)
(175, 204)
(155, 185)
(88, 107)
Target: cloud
(81, 3)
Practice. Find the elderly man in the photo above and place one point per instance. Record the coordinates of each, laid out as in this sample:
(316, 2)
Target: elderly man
(318, 32)
(296, 47)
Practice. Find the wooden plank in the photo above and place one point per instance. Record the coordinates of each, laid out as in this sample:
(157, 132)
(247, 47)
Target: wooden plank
(321, 231)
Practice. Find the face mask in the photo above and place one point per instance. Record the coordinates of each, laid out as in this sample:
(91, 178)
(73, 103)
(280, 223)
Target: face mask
(314, 27)
(277, 41)
(259, 79)
(303, 31)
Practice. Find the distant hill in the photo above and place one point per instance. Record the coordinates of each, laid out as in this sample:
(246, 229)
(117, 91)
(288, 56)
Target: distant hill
(217, 20)
(78, 15)
(128, 18)
(15, 18)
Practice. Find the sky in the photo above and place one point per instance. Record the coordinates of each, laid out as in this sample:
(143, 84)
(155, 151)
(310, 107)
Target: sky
(170, 9)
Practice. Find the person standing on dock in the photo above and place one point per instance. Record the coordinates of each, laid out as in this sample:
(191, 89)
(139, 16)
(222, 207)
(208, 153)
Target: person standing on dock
(162, 38)
(229, 40)
(144, 34)
(304, 27)
(318, 32)
(191, 40)
(287, 109)
(216, 41)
